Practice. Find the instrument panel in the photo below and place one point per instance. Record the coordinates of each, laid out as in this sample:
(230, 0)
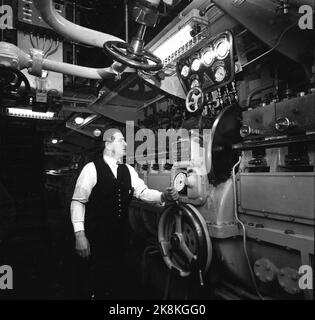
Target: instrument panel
(211, 66)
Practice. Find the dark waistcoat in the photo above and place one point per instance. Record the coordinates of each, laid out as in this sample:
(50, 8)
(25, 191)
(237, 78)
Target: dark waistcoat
(106, 216)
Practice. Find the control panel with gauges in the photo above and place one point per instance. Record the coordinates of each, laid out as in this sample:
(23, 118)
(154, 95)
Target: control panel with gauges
(211, 66)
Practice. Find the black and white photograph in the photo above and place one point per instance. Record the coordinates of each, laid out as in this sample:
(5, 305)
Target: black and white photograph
(157, 151)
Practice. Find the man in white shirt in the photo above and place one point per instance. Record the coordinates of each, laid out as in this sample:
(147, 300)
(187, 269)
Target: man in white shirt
(99, 207)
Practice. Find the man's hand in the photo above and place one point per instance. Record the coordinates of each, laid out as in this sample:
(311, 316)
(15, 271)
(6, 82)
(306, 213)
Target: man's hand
(82, 245)
(170, 194)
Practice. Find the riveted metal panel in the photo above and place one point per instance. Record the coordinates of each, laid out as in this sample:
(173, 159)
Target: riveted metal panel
(285, 194)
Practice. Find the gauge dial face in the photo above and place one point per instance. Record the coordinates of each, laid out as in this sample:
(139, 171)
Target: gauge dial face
(185, 71)
(208, 57)
(195, 83)
(222, 49)
(220, 74)
(179, 181)
(195, 65)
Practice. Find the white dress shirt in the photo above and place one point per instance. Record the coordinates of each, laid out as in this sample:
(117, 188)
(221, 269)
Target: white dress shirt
(88, 179)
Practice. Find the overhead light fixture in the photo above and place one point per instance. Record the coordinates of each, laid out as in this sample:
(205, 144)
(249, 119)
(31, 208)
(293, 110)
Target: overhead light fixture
(97, 132)
(178, 37)
(56, 139)
(170, 46)
(27, 113)
(78, 120)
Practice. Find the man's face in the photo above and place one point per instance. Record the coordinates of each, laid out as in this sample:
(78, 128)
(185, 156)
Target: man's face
(118, 146)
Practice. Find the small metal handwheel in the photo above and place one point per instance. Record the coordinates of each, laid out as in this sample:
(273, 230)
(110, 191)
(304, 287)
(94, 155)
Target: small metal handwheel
(184, 240)
(122, 52)
(194, 99)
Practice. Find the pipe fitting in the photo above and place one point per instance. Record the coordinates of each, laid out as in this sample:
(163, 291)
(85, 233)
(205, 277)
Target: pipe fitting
(12, 56)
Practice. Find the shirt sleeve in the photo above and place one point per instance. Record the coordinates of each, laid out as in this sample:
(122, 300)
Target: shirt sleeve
(83, 188)
(85, 183)
(77, 215)
(141, 191)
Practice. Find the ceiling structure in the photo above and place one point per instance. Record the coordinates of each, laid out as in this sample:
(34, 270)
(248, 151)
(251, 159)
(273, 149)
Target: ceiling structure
(99, 103)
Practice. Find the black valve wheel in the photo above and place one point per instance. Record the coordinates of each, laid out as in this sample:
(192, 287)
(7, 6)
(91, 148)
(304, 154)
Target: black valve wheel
(184, 240)
(125, 54)
(11, 83)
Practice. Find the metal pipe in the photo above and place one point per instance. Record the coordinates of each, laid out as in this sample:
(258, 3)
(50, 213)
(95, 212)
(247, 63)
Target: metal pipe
(204, 11)
(239, 291)
(71, 30)
(243, 228)
(141, 32)
(74, 49)
(150, 102)
(78, 71)
(12, 56)
(126, 21)
(273, 48)
(256, 91)
(225, 295)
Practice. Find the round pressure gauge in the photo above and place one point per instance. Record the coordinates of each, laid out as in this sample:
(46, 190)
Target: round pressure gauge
(179, 181)
(208, 57)
(220, 74)
(185, 71)
(195, 65)
(222, 49)
(195, 83)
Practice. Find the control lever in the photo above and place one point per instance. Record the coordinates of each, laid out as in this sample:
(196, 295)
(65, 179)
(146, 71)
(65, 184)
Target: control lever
(200, 278)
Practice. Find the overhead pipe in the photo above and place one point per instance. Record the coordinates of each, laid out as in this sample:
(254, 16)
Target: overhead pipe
(71, 30)
(126, 21)
(13, 57)
(78, 71)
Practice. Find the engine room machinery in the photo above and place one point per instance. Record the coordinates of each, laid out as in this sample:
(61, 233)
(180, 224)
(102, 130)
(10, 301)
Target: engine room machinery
(246, 208)
(239, 80)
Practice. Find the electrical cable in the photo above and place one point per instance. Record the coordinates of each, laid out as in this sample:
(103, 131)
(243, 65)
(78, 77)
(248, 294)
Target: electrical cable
(244, 231)
(52, 51)
(49, 47)
(273, 48)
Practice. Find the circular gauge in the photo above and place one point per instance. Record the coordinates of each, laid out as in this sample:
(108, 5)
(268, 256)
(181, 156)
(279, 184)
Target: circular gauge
(222, 49)
(208, 57)
(179, 181)
(195, 83)
(195, 66)
(219, 74)
(185, 71)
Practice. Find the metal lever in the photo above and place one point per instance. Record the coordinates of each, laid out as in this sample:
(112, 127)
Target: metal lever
(200, 278)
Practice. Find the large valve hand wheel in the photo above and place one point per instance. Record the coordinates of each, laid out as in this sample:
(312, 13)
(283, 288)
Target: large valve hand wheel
(143, 59)
(194, 99)
(184, 240)
(133, 54)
